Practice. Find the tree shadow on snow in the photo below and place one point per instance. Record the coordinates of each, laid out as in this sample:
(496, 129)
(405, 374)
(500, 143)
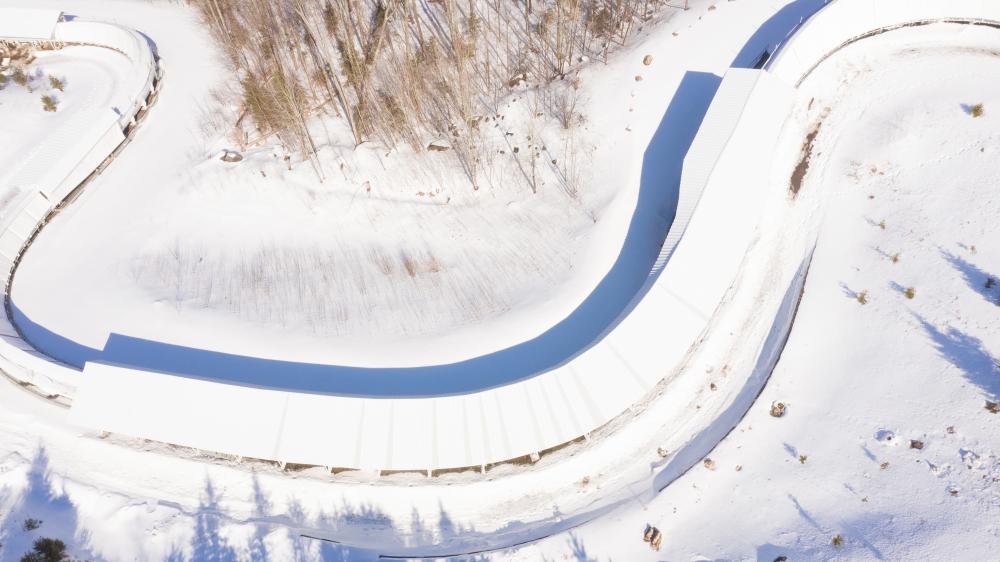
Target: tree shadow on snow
(43, 500)
(968, 354)
(613, 297)
(986, 284)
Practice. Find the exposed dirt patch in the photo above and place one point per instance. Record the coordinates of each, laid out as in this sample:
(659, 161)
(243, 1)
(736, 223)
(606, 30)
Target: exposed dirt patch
(802, 168)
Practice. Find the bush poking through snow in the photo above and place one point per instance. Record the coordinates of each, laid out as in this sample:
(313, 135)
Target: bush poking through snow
(976, 110)
(709, 464)
(803, 459)
(916, 444)
(910, 292)
(49, 103)
(881, 224)
(19, 77)
(777, 409)
(46, 550)
(862, 297)
(838, 540)
(30, 524)
(56, 83)
(895, 258)
(884, 465)
(992, 407)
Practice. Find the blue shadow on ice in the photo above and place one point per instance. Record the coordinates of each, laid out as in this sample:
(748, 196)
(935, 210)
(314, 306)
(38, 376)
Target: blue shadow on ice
(775, 31)
(657, 203)
(610, 301)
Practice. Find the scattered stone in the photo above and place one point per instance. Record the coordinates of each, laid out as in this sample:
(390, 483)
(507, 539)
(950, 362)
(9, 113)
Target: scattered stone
(231, 156)
(653, 536)
(954, 493)
(638, 78)
(916, 444)
(739, 467)
(662, 452)
(777, 409)
(712, 386)
(884, 465)
(781, 559)
(709, 464)
(647, 60)
(438, 147)
(950, 430)
(992, 407)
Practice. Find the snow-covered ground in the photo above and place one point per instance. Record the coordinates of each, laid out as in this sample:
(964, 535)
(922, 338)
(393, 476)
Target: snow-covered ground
(860, 380)
(392, 251)
(87, 77)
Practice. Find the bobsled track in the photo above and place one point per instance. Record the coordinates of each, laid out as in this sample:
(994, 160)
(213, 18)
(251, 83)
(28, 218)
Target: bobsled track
(510, 407)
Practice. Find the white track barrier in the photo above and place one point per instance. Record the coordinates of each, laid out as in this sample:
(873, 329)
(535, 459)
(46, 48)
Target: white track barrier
(725, 175)
(59, 166)
(844, 21)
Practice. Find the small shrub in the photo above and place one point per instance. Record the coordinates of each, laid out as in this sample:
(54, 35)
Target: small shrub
(778, 409)
(881, 224)
(862, 297)
(30, 524)
(19, 77)
(3, 80)
(46, 550)
(895, 258)
(803, 459)
(56, 83)
(910, 292)
(976, 110)
(884, 465)
(49, 103)
(837, 540)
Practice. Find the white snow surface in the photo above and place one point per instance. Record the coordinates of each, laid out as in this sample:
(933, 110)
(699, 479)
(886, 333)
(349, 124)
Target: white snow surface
(387, 253)
(896, 146)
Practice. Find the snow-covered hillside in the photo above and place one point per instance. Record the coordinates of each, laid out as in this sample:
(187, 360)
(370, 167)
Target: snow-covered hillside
(888, 449)
(889, 441)
(393, 249)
